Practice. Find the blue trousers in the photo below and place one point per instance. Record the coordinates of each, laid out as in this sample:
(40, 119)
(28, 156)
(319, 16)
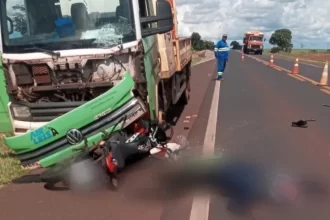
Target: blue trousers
(221, 66)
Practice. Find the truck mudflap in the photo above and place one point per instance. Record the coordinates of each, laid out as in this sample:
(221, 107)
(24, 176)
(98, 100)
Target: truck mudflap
(48, 145)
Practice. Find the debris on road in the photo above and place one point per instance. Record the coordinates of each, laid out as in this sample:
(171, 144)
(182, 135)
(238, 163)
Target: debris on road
(325, 105)
(301, 123)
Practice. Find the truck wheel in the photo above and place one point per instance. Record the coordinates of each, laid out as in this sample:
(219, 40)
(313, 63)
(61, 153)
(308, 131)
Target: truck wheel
(260, 53)
(161, 114)
(184, 99)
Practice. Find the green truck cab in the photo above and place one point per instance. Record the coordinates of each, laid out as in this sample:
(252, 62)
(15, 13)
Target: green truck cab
(84, 65)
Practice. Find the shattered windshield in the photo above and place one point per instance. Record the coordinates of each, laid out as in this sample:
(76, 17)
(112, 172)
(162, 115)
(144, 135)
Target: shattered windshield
(65, 24)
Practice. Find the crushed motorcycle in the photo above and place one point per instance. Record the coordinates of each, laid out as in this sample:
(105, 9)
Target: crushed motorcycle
(107, 158)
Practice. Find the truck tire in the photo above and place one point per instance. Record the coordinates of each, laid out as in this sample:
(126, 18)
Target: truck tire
(184, 99)
(260, 53)
(161, 115)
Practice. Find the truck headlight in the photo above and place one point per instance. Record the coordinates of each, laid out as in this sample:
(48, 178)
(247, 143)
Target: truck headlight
(20, 111)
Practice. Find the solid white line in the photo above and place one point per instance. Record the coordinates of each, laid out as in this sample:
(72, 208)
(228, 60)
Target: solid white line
(209, 140)
(201, 204)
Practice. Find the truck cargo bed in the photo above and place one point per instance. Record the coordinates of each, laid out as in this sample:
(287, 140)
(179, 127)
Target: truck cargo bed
(182, 52)
(174, 54)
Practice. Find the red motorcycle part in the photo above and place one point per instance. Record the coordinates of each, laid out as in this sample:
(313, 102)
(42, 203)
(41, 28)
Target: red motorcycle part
(111, 165)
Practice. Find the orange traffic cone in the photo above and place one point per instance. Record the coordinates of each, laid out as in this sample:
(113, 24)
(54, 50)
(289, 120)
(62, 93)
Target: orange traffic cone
(324, 77)
(295, 69)
(271, 62)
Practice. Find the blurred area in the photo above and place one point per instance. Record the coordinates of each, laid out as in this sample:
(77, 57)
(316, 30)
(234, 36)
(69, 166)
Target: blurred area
(245, 184)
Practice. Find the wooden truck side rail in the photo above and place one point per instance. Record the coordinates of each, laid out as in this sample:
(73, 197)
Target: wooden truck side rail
(182, 52)
(175, 54)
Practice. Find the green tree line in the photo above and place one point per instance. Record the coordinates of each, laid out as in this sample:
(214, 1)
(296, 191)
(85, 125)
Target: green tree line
(281, 41)
(199, 44)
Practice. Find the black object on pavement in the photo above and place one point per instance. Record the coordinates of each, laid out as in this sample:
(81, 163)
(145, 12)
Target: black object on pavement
(301, 123)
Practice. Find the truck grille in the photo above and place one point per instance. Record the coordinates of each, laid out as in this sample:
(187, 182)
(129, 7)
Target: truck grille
(41, 74)
(255, 46)
(41, 112)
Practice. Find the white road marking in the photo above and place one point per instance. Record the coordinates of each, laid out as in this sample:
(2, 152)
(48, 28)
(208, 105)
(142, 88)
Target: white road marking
(201, 204)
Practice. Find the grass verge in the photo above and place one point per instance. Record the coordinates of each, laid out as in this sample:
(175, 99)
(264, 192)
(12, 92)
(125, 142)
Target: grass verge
(10, 167)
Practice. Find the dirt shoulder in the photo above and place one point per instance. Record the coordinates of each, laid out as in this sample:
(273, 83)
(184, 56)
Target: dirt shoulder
(317, 59)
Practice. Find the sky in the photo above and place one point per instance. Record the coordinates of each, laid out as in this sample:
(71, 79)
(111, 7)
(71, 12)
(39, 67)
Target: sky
(309, 20)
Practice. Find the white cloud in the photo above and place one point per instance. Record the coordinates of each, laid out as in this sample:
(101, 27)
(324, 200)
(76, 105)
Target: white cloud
(309, 20)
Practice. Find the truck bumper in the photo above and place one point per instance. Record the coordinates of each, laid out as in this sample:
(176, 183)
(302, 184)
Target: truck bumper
(60, 149)
(45, 142)
(255, 50)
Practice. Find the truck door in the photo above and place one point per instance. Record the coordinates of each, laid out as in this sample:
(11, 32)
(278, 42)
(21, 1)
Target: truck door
(5, 122)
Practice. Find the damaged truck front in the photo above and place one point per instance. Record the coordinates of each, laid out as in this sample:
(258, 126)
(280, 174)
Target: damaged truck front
(76, 64)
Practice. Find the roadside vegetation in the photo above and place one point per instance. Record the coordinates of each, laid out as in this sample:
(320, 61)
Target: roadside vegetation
(281, 40)
(200, 48)
(198, 44)
(10, 167)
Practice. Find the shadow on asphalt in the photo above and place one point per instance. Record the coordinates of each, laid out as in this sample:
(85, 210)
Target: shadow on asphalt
(35, 178)
(31, 178)
(174, 114)
(138, 162)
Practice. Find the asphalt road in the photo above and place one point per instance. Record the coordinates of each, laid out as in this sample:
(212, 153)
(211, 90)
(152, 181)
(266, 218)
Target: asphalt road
(257, 105)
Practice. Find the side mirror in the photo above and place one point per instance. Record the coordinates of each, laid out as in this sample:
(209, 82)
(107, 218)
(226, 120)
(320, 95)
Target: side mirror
(10, 26)
(164, 19)
(244, 40)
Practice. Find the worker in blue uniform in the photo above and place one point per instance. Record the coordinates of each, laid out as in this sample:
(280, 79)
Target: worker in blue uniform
(221, 52)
